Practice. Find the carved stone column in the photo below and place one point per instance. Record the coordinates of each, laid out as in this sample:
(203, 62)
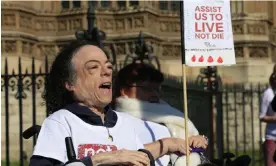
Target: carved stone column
(57, 5)
(269, 53)
(19, 48)
(84, 21)
(169, 5)
(56, 49)
(113, 4)
(17, 21)
(143, 3)
(274, 13)
(84, 4)
(146, 21)
(155, 5)
(246, 52)
(126, 48)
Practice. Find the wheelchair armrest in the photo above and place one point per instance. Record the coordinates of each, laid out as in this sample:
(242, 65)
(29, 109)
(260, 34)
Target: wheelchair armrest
(243, 160)
(218, 162)
(228, 155)
(32, 131)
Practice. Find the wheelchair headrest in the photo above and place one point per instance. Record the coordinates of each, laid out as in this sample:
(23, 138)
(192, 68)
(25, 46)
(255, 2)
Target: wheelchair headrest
(32, 131)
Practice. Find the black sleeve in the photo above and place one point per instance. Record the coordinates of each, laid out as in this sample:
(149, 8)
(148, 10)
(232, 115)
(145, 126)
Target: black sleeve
(87, 161)
(44, 161)
(273, 104)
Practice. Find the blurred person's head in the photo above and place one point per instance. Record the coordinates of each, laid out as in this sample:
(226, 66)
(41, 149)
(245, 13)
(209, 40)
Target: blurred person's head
(80, 73)
(272, 80)
(139, 81)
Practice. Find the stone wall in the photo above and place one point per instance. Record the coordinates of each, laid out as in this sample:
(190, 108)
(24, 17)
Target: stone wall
(242, 127)
(14, 123)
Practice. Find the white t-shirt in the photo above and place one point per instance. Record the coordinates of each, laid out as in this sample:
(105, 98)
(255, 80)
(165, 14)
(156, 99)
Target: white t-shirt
(266, 110)
(149, 132)
(87, 139)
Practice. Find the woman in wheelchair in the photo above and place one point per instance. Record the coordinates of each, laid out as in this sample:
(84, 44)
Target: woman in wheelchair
(78, 93)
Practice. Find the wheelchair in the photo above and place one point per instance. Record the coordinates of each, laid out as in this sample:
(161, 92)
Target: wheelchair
(228, 159)
(72, 160)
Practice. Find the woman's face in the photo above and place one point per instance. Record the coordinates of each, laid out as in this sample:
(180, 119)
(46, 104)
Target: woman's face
(145, 91)
(93, 77)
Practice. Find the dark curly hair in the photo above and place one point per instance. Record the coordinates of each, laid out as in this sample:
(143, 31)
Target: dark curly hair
(62, 71)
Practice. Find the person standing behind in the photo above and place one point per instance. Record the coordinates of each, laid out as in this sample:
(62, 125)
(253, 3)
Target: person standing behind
(268, 116)
(137, 92)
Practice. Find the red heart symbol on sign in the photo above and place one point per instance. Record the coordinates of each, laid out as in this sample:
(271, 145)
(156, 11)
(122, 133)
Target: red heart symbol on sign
(201, 59)
(220, 60)
(194, 58)
(210, 59)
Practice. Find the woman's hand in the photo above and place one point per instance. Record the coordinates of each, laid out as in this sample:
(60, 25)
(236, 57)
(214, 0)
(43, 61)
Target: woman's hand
(179, 145)
(176, 145)
(121, 157)
(198, 141)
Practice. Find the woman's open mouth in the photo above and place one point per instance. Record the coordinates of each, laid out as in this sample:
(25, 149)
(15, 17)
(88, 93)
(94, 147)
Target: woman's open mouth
(106, 87)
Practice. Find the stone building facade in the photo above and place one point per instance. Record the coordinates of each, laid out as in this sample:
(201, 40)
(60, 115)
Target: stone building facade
(39, 28)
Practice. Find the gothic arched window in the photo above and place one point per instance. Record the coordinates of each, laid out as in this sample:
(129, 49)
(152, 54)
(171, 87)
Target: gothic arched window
(133, 3)
(175, 5)
(163, 5)
(105, 4)
(93, 4)
(65, 4)
(76, 4)
(121, 4)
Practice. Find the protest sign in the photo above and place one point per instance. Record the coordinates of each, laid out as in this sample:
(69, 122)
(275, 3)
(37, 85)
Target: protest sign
(208, 36)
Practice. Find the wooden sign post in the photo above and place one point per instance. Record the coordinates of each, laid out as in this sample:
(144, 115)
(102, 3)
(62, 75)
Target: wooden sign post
(206, 40)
